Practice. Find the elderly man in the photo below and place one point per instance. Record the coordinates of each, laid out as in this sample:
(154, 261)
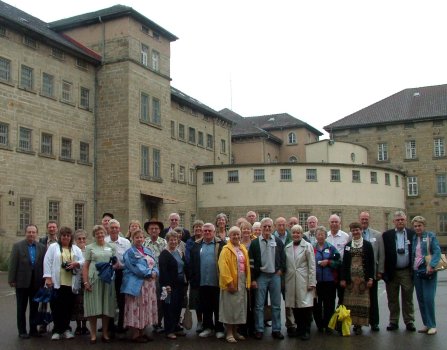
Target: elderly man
(312, 224)
(397, 272)
(106, 217)
(293, 220)
(25, 274)
(174, 221)
(51, 236)
(268, 262)
(375, 238)
(251, 217)
(204, 274)
(121, 245)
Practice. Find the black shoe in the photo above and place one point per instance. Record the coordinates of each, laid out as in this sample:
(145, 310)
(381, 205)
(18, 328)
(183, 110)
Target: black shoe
(329, 331)
(410, 327)
(357, 330)
(375, 327)
(24, 336)
(277, 335)
(305, 336)
(35, 334)
(392, 327)
(258, 335)
(291, 331)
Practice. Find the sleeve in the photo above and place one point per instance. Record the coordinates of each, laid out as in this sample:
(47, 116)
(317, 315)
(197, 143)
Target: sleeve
(13, 263)
(164, 273)
(435, 250)
(48, 260)
(140, 270)
(312, 268)
(224, 269)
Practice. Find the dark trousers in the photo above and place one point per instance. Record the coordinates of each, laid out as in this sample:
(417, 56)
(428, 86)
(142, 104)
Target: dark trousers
(23, 297)
(209, 302)
(324, 306)
(303, 318)
(374, 305)
(120, 298)
(62, 308)
(172, 310)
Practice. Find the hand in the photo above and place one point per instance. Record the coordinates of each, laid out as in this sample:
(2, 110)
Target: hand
(343, 284)
(48, 282)
(154, 275)
(254, 285)
(12, 284)
(324, 263)
(369, 284)
(87, 286)
(429, 270)
(74, 265)
(310, 288)
(231, 289)
(379, 276)
(168, 289)
(279, 273)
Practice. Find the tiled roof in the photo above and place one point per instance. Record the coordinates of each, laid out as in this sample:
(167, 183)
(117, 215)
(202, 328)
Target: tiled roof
(106, 14)
(409, 105)
(281, 121)
(36, 28)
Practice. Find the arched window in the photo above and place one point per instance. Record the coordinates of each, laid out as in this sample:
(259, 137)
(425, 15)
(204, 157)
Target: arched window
(293, 159)
(292, 138)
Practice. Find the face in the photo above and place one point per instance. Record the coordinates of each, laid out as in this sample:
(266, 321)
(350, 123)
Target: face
(364, 220)
(174, 221)
(419, 227)
(154, 231)
(334, 224)
(297, 236)
(221, 222)
(52, 229)
(65, 239)
(321, 237)
(99, 236)
(133, 227)
(280, 226)
(172, 242)
(114, 231)
(251, 217)
(105, 221)
(81, 241)
(266, 229)
(292, 222)
(235, 237)
(138, 240)
(31, 234)
(356, 233)
(198, 232)
(400, 222)
(257, 231)
(208, 233)
(246, 232)
(312, 223)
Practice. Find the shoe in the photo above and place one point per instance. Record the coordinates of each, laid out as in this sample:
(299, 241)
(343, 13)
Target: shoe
(68, 335)
(171, 336)
(220, 335)
(106, 340)
(423, 330)
(55, 336)
(410, 327)
(199, 328)
(180, 333)
(277, 335)
(291, 331)
(392, 327)
(238, 336)
(158, 329)
(357, 330)
(432, 331)
(206, 333)
(230, 339)
(375, 327)
(258, 335)
(305, 336)
(78, 331)
(85, 331)
(93, 341)
(24, 336)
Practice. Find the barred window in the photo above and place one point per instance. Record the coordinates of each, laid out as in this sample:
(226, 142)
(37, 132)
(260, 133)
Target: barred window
(208, 177)
(285, 174)
(47, 85)
(5, 69)
(4, 134)
(412, 186)
(233, 176)
(438, 147)
(144, 161)
(79, 216)
(25, 139)
(85, 98)
(156, 113)
(311, 174)
(356, 176)
(156, 163)
(66, 148)
(335, 175)
(259, 175)
(26, 77)
(144, 107)
(67, 91)
(53, 211)
(25, 215)
(46, 144)
(84, 152)
(373, 177)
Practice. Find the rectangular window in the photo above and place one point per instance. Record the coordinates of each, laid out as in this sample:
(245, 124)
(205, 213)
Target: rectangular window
(57, 53)
(25, 140)
(182, 219)
(67, 91)
(285, 174)
(387, 179)
(172, 172)
(373, 177)
(302, 219)
(438, 147)
(79, 216)
(181, 174)
(382, 152)
(441, 184)
(311, 174)
(412, 186)
(263, 215)
(145, 30)
(4, 134)
(85, 98)
(200, 140)
(356, 176)
(145, 161)
(208, 177)
(26, 77)
(5, 69)
(192, 176)
(46, 144)
(258, 175)
(65, 148)
(155, 60)
(396, 180)
(192, 135)
(144, 54)
(335, 175)
(26, 212)
(223, 146)
(442, 219)
(156, 113)
(181, 132)
(81, 63)
(233, 176)
(53, 211)
(410, 149)
(31, 42)
(209, 141)
(84, 152)
(47, 85)
(144, 107)
(172, 129)
(156, 163)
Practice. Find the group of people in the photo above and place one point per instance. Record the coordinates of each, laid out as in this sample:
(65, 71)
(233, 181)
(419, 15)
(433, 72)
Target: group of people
(233, 277)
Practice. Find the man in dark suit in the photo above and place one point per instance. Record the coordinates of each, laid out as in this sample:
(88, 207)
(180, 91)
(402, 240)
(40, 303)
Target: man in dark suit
(397, 272)
(26, 276)
(174, 221)
(51, 236)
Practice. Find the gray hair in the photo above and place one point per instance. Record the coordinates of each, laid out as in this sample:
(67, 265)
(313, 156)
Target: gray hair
(114, 221)
(297, 228)
(400, 213)
(419, 219)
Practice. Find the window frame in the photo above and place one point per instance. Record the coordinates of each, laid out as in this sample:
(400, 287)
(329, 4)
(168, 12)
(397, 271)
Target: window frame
(291, 138)
(84, 154)
(410, 149)
(311, 174)
(144, 55)
(28, 140)
(4, 134)
(84, 98)
(79, 218)
(208, 177)
(67, 91)
(335, 175)
(233, 176)
(26, 78)
(285, 174)
(412, 186)
(356, 176)
(66, 148)
(144, 161)
(258, 175)
(156, 163)
(441, 184)
(46, 144)
(5, 70)
(382, 152)
(25, 213)
(438, 147)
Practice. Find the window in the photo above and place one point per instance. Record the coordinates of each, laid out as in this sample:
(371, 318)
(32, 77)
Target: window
(145, 161)
(79, 216)
(173, 129)
(441, 184)
(31, 42)
(438, 147)
(156, 114)
(356, 176)
(442, 219)
(192, 135)
(233, 176)
(208, 177)
(155, 60)
(155, 35)
(412, 186)
(181, 132)
(291, 138)
(387, 179)
(396, 180)
(67, 90)
(26, 78)
(53, 211)
(293, 159)
(66, 148)
(172, 172)
(285, 174)
(209, 141)
(382, 154)
(192, 176)
(311, 174)
(181, 222)
(410, 149)
(353, 157)
(258, 175)
(263, 215)
(25, 140)
(85, 98)
(81, 63)
(5, 69)
(335, 175)
(2, 30)
(4, 134)
(200, 140)
(47, 85)
(145, 30)
(25, 215)
(156, 163)
(84, 152)
(46, 144)
(302, 219)
(223, 146)
(181, 174)
(57, 53)
(144, 54)
(144, 107)
(373, 177)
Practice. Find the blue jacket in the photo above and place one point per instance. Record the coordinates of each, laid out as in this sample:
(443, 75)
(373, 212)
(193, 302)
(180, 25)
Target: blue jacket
(136, 270)
(435, 249)
(329, 252)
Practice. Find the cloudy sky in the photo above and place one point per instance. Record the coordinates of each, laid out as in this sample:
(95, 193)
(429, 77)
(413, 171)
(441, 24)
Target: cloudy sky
(318, 60)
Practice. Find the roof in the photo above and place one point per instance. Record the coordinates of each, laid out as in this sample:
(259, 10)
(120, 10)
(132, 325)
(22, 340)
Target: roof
(40, 30)
(281, 121)
(409, 105)
(108, 14)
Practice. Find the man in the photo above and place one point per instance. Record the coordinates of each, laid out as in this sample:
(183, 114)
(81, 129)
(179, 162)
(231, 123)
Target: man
(281, 231)
(397, 272)
(375, 238)
(106, 217)
(51, 236)
(293, 220)
(251, 217)
(312, 224)
(174, 221)
(26, 276)
(204, 275)
(268, 263)
(121, 245)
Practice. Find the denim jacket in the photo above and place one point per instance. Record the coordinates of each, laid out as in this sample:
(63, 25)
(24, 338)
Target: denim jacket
(136, 270)
(435, 249)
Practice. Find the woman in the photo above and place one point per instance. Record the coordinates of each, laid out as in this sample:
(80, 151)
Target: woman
(62, 264)
(425, 278)
(172, 278)
(327, 262)
(80, 240)
(234, 280)
(257, 228)
(300, 281)
(246, 233)
(357, 275)
(140, 273)
(221, 226)
(99, 296)
(133, 226)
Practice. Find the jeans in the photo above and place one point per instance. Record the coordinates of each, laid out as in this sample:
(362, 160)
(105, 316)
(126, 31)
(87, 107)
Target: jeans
(268, 282)
(426, 293)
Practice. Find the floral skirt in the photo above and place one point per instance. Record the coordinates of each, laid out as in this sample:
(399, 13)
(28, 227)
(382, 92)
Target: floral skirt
(141, 311)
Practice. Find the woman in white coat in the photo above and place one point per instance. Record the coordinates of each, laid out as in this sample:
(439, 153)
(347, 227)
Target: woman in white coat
(300, 281)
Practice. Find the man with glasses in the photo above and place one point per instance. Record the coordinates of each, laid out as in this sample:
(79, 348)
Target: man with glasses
(174, 221)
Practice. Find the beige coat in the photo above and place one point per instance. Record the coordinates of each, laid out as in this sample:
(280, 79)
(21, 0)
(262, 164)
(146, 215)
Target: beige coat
(300, 275)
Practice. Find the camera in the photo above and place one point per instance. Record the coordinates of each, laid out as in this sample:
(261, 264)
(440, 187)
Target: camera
(400, 250)
(66, 266)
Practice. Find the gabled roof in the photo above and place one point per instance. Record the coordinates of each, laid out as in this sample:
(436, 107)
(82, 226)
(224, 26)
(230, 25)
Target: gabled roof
(39, 30)
(108, 14)
(409, 105)
(281, 121)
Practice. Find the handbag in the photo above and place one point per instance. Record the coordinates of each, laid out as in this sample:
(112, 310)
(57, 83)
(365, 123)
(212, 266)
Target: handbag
(44, 317)
(187, 319)
(442, 264)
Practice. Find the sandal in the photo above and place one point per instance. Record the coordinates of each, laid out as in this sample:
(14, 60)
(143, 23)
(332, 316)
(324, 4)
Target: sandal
(230, 339)
(238, 336)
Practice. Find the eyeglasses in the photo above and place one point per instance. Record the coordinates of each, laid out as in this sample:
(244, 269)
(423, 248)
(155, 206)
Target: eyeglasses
(81, 239)
(269, 226)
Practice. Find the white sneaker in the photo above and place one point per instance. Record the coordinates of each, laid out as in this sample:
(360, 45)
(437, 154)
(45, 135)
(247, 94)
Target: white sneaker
(220, 335)
(206, 333)
(68, 335)
(432, 331)
(56, 336)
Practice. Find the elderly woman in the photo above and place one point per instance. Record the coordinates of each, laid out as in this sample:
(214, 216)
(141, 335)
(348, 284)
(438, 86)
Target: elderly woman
(300, 281)
(139, 288)
(99, 296)
(357, 275)
(221, 226)
(172, 278)
(61, 266)
(133, 226)
(80, 240)
(327, 260)
(425, 278)
(256, 229)
(246, 233)
(234, 280)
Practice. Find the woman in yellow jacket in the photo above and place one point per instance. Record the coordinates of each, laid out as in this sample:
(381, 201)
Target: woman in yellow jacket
(234, 279)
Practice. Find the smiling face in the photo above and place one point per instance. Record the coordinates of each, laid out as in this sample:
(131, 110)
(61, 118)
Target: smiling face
(81, 241)
(31, 234)
(208, 232)
(138, 239)
(266, 228)
(198, 232)
(321, 237)
(154, 231)
(418, 227)
(297, 235)
(52, 229)
(65, 239)
(100, 235)
(235, 236)
(356, 233)
(114, 230)
(280, 225)
(364, 220)
(172, 242)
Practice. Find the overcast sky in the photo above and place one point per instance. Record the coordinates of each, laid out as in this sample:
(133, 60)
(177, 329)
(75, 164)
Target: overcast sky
(316, 60)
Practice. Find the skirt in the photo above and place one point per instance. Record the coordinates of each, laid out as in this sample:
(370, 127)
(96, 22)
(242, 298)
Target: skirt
(141, 311)
(233, 306)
